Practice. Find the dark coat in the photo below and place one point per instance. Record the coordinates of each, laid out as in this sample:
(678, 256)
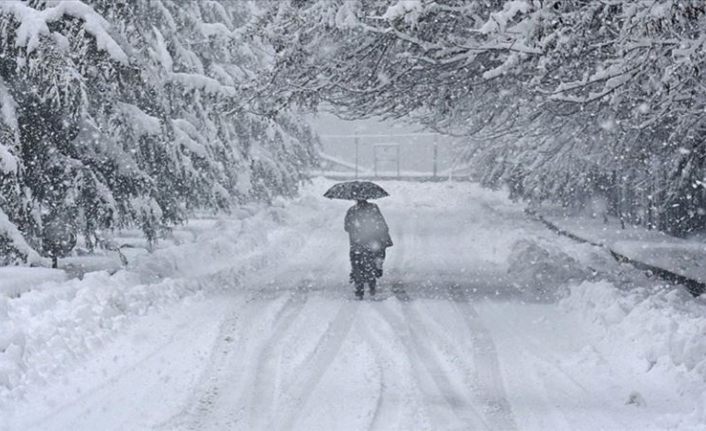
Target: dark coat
(367, 227)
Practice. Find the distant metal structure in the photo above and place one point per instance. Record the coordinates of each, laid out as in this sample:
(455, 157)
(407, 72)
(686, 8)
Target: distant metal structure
(436, 157)
(386, 153)
(389, 153)
(357, 144)
(332, 164)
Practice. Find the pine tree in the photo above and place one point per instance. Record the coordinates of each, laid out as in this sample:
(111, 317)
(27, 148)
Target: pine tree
(134, 114)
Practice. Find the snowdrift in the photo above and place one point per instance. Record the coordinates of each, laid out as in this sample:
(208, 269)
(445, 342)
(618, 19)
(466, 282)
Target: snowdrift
(543, 270)
(47, 324)
(661, 330)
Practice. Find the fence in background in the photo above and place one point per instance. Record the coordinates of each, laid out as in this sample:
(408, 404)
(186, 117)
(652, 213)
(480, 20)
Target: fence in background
(388, 156)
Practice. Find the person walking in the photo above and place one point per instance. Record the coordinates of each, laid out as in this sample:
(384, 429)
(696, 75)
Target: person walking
(369, 238)
(368, 232)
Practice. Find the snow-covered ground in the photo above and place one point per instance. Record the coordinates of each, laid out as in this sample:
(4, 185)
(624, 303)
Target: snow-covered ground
(685, 257)
(485, 320)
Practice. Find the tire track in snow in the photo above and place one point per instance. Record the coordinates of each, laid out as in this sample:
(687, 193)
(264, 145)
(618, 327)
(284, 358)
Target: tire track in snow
(318, 362)
(489, 388)
(400, 397)
(196, 412)
(383, 398)
(230, 379)
(415, 338)
(413, 334)
(264, 384)
(492, 388)
(231, 354)
(541, 363)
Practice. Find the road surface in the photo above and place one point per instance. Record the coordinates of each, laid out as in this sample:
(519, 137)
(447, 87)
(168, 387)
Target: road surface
(448, 343)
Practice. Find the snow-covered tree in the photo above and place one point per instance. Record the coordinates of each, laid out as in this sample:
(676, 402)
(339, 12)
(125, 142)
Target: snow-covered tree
(564, 99)
(117, 114)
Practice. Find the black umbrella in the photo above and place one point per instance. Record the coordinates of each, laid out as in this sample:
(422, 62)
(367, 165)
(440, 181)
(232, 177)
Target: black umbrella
(355, 190)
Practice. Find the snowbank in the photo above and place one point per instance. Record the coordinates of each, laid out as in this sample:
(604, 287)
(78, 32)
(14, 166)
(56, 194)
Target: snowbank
(543, 269)
(46, 329)
(15, 280)
(662, 330)
(679, 256)
(51, 326)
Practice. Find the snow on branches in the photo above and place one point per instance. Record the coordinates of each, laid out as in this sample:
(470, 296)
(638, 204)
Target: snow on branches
(115, 115)
(561, 99)
(35, 23)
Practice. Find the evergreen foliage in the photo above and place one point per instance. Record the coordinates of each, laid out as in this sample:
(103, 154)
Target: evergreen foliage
(122, 113)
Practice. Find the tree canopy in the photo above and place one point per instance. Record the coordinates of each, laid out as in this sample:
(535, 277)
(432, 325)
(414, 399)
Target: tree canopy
(561, 99)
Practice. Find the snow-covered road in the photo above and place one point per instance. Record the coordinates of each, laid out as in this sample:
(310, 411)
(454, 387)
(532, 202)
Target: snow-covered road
(453, 341)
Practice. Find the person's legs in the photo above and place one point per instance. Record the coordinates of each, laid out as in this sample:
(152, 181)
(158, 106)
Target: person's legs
(379, 260)
(368, 264)
(364, 269)
(357, 257)
(368, 268)
(359, 290)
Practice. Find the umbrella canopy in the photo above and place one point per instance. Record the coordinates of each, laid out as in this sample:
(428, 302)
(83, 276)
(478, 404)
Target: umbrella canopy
(355, 190)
